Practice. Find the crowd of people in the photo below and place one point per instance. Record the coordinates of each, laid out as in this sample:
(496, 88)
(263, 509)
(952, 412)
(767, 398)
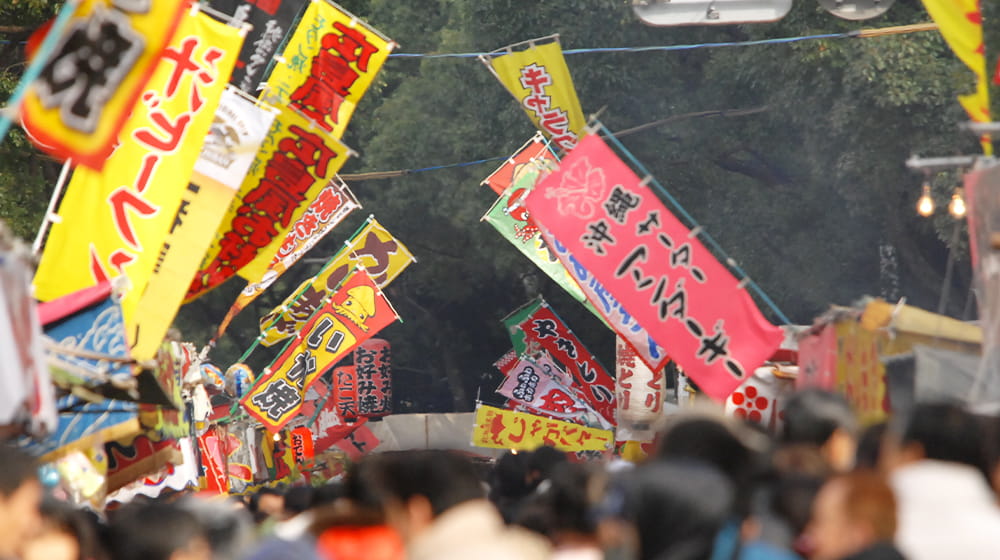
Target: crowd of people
(922, 486)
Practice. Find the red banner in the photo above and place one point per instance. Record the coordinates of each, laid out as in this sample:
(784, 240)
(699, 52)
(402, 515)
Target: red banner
(359, 442)
(661, 274)
(212, 448)
(511, 170)
(373, 365)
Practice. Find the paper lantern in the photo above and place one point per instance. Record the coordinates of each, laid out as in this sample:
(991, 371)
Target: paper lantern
(638, 390)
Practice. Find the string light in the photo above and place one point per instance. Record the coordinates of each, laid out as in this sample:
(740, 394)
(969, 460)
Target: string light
(925, 205)
(957, 205)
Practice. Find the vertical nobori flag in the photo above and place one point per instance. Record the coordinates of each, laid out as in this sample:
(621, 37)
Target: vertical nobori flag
(373, 247)
(354, 313)
(655, 267)
(115, 222)
(296, 161)
(534, 153)
(961, 25)
(539, 79)
(536, 327)
(91, 83)
(272, 21)
(327, 65)
(331, 206)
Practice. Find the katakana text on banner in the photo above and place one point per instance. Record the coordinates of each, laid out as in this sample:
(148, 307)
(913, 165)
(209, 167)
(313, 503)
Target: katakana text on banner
(272, 20)
(506, 429)
(355, 313)
(89, 86)
(540, 81)
(296, 161)
(373, 247)
(327, 66)
(115, 222)
(653, 265)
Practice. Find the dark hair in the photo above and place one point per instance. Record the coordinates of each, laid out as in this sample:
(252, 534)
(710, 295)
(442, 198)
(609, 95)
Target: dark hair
(708, 440)
(543, 460)
(870, 446)
(677, 507)
(254, 502)
(82, 526)
(813, 415)
(16, 468)
(152, 531)
(443, 477)
(508, 483)
(298, 499)
(946, 432)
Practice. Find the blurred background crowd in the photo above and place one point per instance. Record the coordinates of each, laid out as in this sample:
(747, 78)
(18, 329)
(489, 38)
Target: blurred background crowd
(922, 486)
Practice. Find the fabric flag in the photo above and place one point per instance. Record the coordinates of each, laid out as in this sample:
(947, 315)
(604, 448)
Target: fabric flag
(653, 265)
(372, 246)
(358, 443)
(373, 365)
(240, 451)
(296, 162)
(331, 206)
(961, 25)
(536, 327)
(214, 475)
(525, 158)
(90, 84)
(510, 218)
(539, 383)
(114, 222)
(329, 426)
(539, 79)
(356, 312)
(345, 392)
(272, 21)
(982, 193)
(639, 390)
(611, 310)
(506, 429)
(327, 65)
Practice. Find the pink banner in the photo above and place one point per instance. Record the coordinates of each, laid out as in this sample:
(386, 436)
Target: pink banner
(660, 273)
(541, 385)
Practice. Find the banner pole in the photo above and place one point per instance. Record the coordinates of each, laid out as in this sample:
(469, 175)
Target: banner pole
(50, 212)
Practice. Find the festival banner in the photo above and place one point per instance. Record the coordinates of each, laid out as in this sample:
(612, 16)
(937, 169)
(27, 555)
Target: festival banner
(961, 24)
(130, 460)
(373, 367)
(91, 83)
(655, 267)
(534, 154)
(611, 310)
(295, 163)
(639, 390)
(114, 222)
(330, 426)
(331, 206)
(506, 429)
(302, 445)
(354, 313)
(539, 383)
(539, 79)
(327, 65)
(214, 473)
(240, 126)
(240, 438)
(536, 327)
(272, 21)
(345, 392)
(510, 218)
(372, 247)
(358, 443)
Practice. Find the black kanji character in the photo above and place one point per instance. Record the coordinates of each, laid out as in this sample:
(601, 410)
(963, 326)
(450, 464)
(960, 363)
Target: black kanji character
(620, 203)
(597, 237)
(277, 399)
(305, 365)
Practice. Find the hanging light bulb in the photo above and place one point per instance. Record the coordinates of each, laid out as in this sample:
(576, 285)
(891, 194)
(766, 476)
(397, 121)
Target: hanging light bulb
(925, 205)
(957, 205)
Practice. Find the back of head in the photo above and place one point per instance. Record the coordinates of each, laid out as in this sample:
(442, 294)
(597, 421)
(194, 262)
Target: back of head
(870, 500)
(710, 441)
(16, 468)
(945, 432)
(677, 507)
(813, 415)
(153, 531)
(444, 478)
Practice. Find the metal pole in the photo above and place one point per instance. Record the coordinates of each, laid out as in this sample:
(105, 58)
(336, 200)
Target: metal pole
(50, 212)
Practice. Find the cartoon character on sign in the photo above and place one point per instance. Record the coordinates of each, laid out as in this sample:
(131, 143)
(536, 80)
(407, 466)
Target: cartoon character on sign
(358, 307)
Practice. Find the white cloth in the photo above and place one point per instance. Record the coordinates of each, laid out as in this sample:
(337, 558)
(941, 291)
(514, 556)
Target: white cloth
(945, 511)
(474, 530)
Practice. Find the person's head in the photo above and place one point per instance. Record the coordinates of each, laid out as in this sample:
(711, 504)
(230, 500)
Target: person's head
(157, 531)
(20, 498)
(419, 486)
(851, 513)
(267, 503)
(939, 432)
(677, 507)
(541, 462)
(297, 500)
(869, 451)
(824, 419)
(66, 534)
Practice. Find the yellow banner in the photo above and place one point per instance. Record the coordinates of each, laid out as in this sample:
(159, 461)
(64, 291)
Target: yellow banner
(327, 66)
(114, 222)
(506, 429)
(860, 373)
(83, 97)
(961, 25)
(296, 161)
(372, 246)
(540, 81)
